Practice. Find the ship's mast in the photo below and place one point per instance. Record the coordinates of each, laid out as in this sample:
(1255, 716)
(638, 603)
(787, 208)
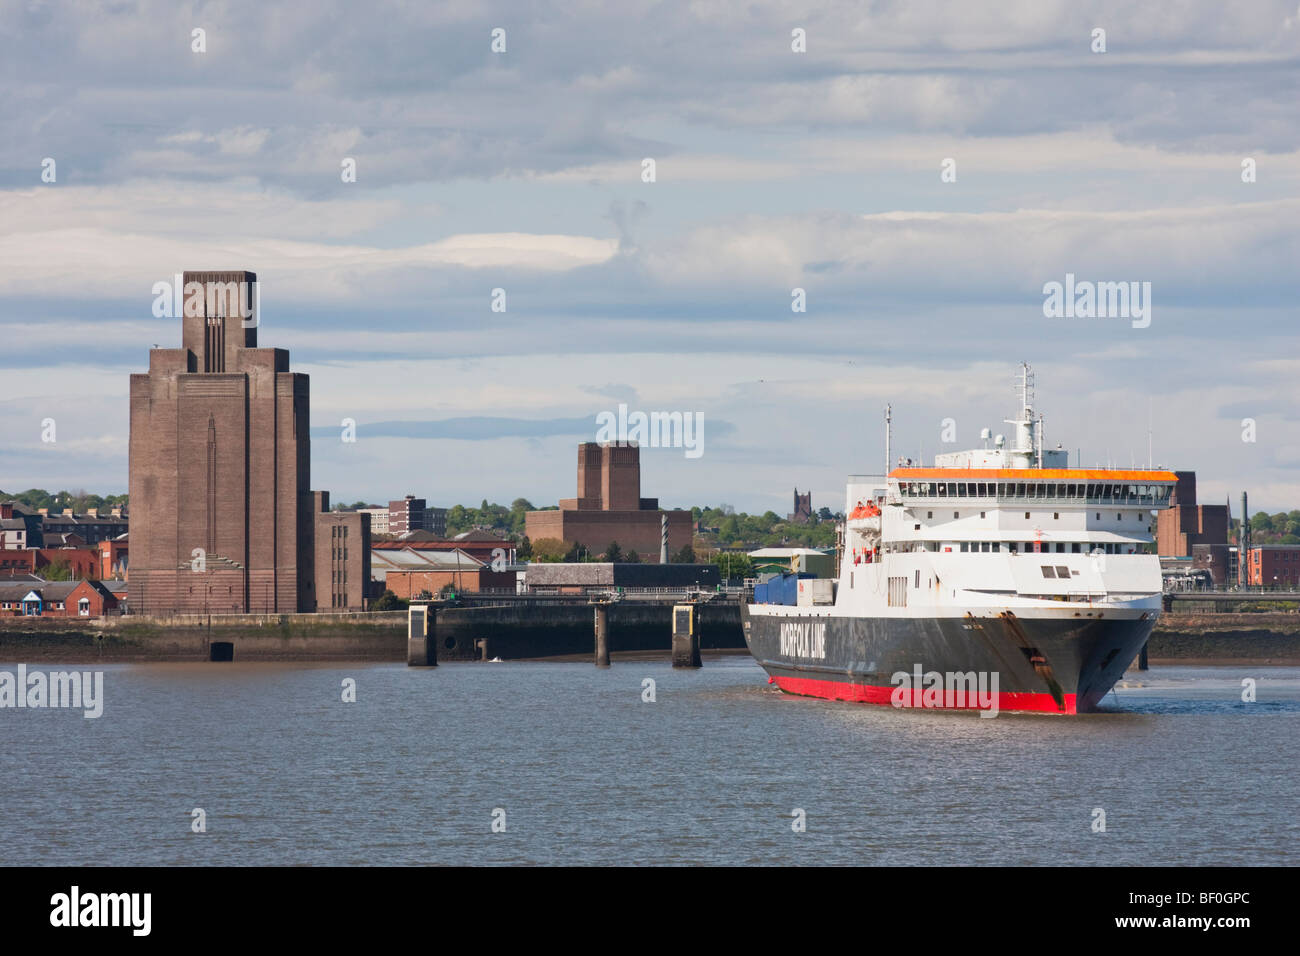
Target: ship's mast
(1025, 449)
(889, 418)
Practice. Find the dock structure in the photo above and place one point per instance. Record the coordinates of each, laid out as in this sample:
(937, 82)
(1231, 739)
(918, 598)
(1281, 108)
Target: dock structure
(602, 633)
(421, 636)
(686, 638)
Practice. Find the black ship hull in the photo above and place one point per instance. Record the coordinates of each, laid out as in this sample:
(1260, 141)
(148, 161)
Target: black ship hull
(1060, 664)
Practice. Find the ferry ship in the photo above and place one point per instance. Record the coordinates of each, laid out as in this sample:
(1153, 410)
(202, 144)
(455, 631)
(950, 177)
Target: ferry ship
(1000, 579)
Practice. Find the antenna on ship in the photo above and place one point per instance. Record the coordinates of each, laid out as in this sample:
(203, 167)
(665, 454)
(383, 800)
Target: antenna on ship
(1024, 449)
(889, 418)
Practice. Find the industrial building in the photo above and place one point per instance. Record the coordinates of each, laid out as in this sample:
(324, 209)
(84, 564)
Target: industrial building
(222, 517)
(1273, 566)
(1196, 534)
(609, 508)
(578, 578)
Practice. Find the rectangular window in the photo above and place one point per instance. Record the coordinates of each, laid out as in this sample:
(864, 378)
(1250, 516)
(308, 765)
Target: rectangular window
(1048, 571)
(956, 515)
(997, 546)
(982, 514)
(965, 546)
(1056, 516)
(1062, 572)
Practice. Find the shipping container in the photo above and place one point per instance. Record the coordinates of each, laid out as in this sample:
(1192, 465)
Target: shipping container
(760, 593)
(816, 592)
(819, 565)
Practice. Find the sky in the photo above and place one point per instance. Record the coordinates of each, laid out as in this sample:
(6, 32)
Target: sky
(920, 170)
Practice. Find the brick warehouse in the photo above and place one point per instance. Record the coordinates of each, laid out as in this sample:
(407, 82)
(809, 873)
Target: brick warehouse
(609, 507)
(222, 516)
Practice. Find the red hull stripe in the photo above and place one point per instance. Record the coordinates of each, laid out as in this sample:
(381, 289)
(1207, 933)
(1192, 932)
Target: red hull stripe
(870, 694)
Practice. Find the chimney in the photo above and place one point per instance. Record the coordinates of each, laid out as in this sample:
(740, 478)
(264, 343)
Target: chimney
(69, 513)
(92, 512)
(7, 510)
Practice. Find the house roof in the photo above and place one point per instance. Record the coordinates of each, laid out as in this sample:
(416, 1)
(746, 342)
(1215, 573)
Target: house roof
(410, 560)
(47, 590)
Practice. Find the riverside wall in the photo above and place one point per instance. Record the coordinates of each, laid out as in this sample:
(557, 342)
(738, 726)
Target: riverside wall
(522, 631)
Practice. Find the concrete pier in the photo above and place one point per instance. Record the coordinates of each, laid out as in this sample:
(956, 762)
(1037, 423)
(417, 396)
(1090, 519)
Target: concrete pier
(421, 636)
(686, 638)
(602, 635)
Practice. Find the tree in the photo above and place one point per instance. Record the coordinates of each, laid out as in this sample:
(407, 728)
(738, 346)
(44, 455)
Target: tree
(550, 550)
(525, 549)
(58, 571)
(732, 565)
(1260, 521)
(685, 556)
(613, 552)
(825, 514)
(388, 601)
(631, 558)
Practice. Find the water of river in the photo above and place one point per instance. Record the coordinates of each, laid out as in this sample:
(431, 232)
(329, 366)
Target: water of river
(574, 767)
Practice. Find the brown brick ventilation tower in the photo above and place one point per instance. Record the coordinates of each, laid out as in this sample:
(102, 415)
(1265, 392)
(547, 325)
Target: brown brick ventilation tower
(220, 457)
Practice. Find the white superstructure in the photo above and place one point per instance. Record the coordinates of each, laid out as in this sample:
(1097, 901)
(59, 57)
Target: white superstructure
(1008, 526)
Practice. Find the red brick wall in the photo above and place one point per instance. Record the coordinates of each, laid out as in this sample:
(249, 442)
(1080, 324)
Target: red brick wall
(253, 521)
(633, 530)
(405, 584)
